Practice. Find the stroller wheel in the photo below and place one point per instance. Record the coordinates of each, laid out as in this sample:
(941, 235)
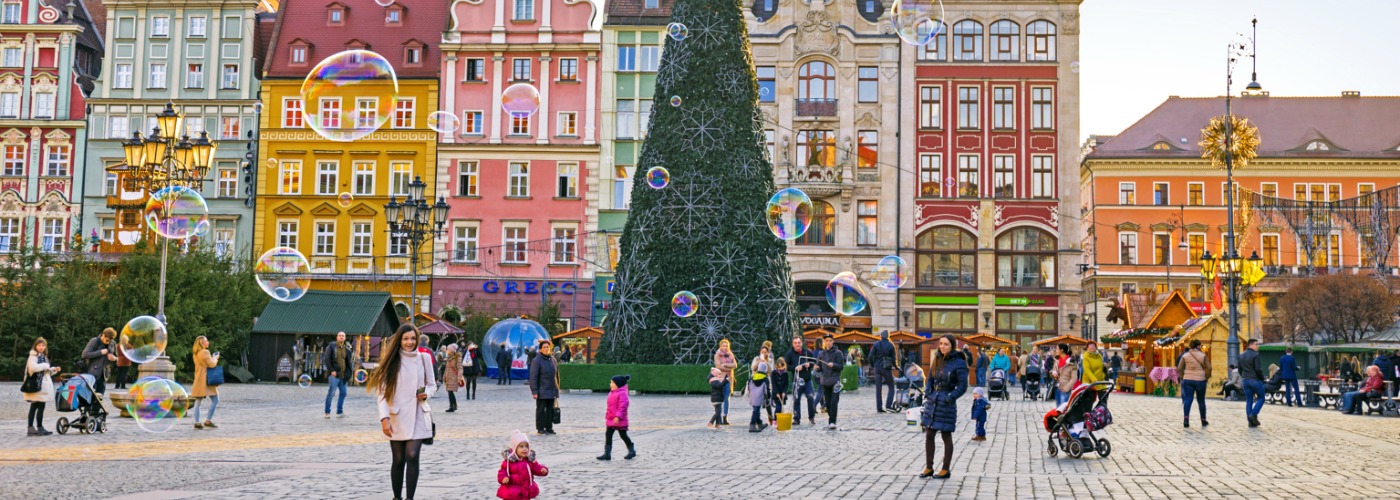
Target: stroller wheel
(1052, 450)
(62, 425)
(1074, 448)
(1103, 448)
(92, 426)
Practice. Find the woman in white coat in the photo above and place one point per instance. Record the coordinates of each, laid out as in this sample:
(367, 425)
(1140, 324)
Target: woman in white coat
(402, 384)
(39, 363)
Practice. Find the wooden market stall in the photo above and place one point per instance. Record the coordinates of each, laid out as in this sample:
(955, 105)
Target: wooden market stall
(909, 342)
(1214, 333)
(1139, 340)
(582, 343)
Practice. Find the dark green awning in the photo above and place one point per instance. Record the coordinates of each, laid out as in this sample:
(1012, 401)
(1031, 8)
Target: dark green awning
(322, 312)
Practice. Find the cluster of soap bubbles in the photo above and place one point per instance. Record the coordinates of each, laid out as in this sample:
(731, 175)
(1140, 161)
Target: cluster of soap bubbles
(789, 213)
(658, 177)
(362, 85)
(156, 404)
(677, 31)
(143, 339)
(684, 304)
(917, 22)
(283, 273)
(177, 212)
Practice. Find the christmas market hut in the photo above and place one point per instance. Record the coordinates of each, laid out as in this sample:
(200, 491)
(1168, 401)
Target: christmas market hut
(288, 337)
(1145, 364)
(1214, 333)
(906, 342)
(581, 344)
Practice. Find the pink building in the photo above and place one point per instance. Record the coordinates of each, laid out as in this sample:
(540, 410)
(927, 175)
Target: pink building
(517, 185)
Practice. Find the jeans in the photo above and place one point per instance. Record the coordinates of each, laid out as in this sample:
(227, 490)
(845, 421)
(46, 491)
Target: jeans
(1193, 389)
(981, 427)
(336, 383)
(1291, 392)
(716, 419)
(1010, 378)
(1061, 397)
(544, 415)
(883, 378)
(1253, 397)
(99, 385)
(213, 405)
(756, 419)
(981, 378)
(800, 390)
(728, 388)
(832, 398)
(1351, 401)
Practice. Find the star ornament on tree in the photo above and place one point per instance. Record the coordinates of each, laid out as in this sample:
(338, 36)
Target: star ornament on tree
(1244, 141)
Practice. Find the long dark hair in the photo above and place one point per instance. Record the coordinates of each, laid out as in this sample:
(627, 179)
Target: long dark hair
(385, 377)
(939, 359)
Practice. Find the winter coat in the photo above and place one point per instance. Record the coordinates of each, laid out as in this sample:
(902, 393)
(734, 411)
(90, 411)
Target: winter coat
(521, 473)
(1066, 374)
(1193, 365)
(943, 390)
(1092, 367)
(122, 360)
(726, 362)
(882, 355)
(38, 363)
(1249, 365)
(1373, 383)
(983, 362)
(334, 351)
(716, 389)
(203, 361)
(979, 409)
(93, 354)
(781, 381)
(453, 374)
(617, 409)
(472, 363)
(1288, 367)
(770, 361)
(1015, 364)
(757, 392)
(408, 417)
(1001, 362)
(1387, 369)
(544, 377)
(503, 360)
(831, 376)
(796, 364)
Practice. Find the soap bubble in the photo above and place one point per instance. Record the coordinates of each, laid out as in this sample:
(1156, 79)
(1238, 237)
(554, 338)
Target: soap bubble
(789, 213)
(520, 100)
(684, 304)
(304, 381)
(361, 376)
(845, 295)
(283, 273)
(143, 339)
(658, 177)
(677, 31)
(176, 212)
(156, 404)
(891, 272)
(359, 89)
(384, 3)
(273, 163)
(917, 22)
(345, 200)
(443, 122)
(675, 100)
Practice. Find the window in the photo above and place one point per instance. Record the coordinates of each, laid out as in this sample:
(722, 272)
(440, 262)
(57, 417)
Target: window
(626, 119)
(403, 113)
(946, 257)
(471, 123)
(330, 112)
(1042, 108)
(9, 235)
(936, 49)
(1197, 292)
(157, 77)
(14, 57)
(643, 117)
(1127, 248)
(568, 123)
(366, 112)
(364, 178)
(931, 107)
(1040, 41)
(291, 178)
(520, 124)
(327, 177)
(1195, 194)
(476, 70)
(650, 58)
(771, 146)
(119, 127)
(197, 26)
(816, 147)
(413, 55)
(1037, 321)
(967, 41)
(325, 238)
(1162, 249)
(565, 245)
(568, 69)
(298, 55)
(467, 178)
(194, 76)
(1043, 176)
(160, 27)
(767, 83)
(515, 241)
(1161, 193)
(524, 10)
(520, 69)
(400, 173)
(1003, 108)
(11, 13)
(1269, 189)
(1006, 41)
(361, 238)
(867, 223)
(227, 186)
(9, 105)
(56, 161)
(764, 9)
(1365, 188)
(228, 127)
(1026, 259)
(230, 77)
(393, 17)
(651, 4)
(122, 80)
(622, 187)
(930, 175)
(867, 148)
(287, 234)
(1227, 198)
(1003, 176)
(464, 244)
(1127, 193)
(1127, 288)
(868, 89)
(968, 107)
(52, 238)
(398, 244)
(567, 181)
(821, 231)
(627, 58)
(816, 80)
(14, 161)
(968, 168)
(1195, 245)
(519, 180)
(870, 10)
(109, 184)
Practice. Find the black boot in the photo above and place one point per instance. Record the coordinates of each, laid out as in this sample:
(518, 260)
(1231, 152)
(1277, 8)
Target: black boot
(34, 432)
(607, 453)
(725, 421)
(631, 452)
(754, 428)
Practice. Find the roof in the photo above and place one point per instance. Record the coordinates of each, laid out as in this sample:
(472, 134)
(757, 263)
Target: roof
(585, 332)
(635, 13)
(439, 327)
(1287, 125)
(983, 339)
(1176, 299)
(322, 312)
(423, 21)
(816, 333)
(1066, 339)
(903, 336)
(856, 336)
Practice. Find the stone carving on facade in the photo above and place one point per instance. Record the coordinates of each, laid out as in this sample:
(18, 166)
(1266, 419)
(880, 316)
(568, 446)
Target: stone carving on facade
(786, 72)
(1069, 23)
(13, 137)
(818, 34)
(45, 83)
(1054, 218)
(48, 14)
(10, 203)
(10, 83)
(867, 120)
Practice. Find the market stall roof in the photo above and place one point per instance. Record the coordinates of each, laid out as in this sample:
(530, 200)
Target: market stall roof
(585, 332)
(1281, 346)
(817, 333)
(1173, 311)
(1193, 326)
(437, 327)
(856, 337)
(903, 336)
(985, 339)
(1067, 339)
(322, 312)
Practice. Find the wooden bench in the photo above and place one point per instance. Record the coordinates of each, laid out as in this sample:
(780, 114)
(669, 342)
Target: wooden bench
(1329, 399)
(1381, 405)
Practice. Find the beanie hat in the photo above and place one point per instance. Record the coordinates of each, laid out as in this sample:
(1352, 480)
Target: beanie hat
(979, 392)
(516, 438)
(621, 380)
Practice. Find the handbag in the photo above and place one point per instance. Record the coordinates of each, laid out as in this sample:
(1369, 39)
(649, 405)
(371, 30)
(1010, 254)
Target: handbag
(430, 418)
(557, 416)
(31, 384)
(214, 377)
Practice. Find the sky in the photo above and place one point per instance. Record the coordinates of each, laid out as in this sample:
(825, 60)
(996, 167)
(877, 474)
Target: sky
(1135, 53)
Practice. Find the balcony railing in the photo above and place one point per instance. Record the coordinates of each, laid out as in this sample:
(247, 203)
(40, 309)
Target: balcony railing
(816, 107)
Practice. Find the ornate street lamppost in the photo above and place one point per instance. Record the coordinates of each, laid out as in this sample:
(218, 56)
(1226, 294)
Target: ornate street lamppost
(418, 222)
(1234, 273)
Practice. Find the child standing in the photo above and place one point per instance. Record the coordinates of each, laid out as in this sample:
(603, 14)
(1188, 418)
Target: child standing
(518, 470)
(779, 383)
(717, 386)
(980, 407)
(616, 417)
(758, 394)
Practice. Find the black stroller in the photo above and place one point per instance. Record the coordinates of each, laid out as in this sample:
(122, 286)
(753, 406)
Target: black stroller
(1032, 377)
(997, 387)
(908, 394)
(74, 393)
(1073, 428)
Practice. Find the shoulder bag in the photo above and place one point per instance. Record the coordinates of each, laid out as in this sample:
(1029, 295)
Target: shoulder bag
(557, 416)
(32, 383)
(214, 376)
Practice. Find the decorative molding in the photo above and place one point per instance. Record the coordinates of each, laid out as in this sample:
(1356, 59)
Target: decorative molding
(1069, 23)
(325, 210)
(13, 137)
(400, 136)
(287, 209)
(58, 138)
(867, 120)
(817, 35)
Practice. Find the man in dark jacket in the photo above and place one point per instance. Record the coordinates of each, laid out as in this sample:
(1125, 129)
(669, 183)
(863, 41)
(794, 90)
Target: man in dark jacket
(1394, 365)
(1387, 367)
(97, 353)
(1288, 371)
(832, 362)
(544, 387)
(803, 371)
(1253, 377)
(503, 359)
(882, 361)
(338, 360)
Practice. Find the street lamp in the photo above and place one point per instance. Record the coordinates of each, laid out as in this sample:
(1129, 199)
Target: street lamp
(417, 222)
(1231, 257)
(1234, 272)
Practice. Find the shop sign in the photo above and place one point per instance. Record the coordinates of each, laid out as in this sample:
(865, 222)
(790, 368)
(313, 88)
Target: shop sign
(819, 321)
(1200, 307)
(855, 322)
(946, 301)
(1027, 301)
(529, 287)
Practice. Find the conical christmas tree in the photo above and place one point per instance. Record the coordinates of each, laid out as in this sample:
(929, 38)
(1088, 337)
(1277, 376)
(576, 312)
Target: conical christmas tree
(704, 232)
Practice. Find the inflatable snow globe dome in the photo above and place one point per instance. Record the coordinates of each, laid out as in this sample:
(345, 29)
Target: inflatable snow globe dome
(516, 334)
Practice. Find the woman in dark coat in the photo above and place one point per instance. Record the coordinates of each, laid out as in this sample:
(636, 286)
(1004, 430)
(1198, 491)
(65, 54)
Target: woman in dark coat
(947, 382)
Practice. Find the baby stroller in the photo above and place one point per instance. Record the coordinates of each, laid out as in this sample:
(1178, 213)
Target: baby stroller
(997, 387)
(74, 393)
(908, 394)
(1032, 379)
(1072, 425)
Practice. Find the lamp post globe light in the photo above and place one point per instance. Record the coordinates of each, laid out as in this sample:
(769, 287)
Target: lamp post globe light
(417, 222)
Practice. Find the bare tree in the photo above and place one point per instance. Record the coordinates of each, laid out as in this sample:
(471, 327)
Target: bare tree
(1339, 308)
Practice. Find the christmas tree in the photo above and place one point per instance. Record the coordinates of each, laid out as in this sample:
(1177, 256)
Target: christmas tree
(705, 232)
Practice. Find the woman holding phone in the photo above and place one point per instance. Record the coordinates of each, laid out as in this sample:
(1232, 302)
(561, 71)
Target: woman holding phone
(402, 384)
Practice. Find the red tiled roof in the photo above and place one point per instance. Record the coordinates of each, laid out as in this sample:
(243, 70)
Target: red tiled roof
(635, 13)
(423, 20)
(1353, 126)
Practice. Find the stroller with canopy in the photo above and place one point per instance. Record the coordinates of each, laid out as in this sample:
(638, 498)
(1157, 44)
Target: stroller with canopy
(1072, 425)
(997, 387)
(75, 394)
(1032, 380)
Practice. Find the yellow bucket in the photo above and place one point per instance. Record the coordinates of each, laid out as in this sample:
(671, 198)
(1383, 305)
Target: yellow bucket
(1140, 384)
(784, 421)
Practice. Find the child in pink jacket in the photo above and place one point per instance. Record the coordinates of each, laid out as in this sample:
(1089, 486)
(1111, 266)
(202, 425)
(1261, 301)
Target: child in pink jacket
(616, 417)
(518, 470)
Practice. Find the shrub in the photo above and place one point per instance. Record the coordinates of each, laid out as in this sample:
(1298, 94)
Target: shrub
(671, 379)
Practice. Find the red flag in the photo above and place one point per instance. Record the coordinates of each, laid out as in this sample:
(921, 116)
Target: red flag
(1219, 298)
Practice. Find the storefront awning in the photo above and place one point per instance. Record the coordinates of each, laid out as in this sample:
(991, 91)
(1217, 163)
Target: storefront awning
(322, 312)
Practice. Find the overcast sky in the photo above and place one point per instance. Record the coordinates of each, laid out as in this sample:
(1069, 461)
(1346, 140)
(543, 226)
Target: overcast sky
(1136, 53)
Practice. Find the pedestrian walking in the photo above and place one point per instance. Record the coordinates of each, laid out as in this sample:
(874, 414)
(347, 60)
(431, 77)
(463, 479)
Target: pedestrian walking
(544, 387)
(1253, 377)
(452, 376)
(800, 360)
(1066, 375)
(983, 364)
(980, 407)
(402, 384)
(1000, 361)
(718, 384)
(1288, 372)
(503, 362)
(1091, 365)
(38, 367)
(615, 418)
(519, 468)
(1030, 365)
(1194, 370)
(726, 362)
(97, 354)
(947, 382)
(338, 358)
(882, 362)
(201, 389)
(119, 371)
(1015, 359)
(1115, 365)
(472, 368)
(832, 363)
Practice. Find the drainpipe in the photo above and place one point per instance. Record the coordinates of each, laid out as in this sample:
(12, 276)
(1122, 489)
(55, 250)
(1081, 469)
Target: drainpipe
(899, 177)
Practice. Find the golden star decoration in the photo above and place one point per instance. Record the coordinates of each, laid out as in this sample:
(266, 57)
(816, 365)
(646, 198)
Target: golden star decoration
(1244, 145)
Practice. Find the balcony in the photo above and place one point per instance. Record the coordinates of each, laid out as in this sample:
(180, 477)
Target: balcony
(816, 107)
(817, 181)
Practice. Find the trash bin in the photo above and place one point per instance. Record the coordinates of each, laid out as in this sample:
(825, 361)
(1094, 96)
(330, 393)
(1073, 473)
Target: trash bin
(1309, 389)
(1140, 383)
(784, 421)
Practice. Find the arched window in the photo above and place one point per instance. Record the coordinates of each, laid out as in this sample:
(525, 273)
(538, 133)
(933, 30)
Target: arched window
(764, 9)
(870, 9)
(936, 50)
(822, 232)
(967, 41)
(816, 80)
(1006, 41)
(1040, 41)
(1026, 259)
(946, 257)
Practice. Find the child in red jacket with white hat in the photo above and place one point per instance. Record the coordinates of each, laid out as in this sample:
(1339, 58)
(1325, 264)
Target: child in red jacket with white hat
(518, 470)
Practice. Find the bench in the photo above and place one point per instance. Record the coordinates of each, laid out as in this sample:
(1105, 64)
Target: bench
(1329, 399)
(1274, 397)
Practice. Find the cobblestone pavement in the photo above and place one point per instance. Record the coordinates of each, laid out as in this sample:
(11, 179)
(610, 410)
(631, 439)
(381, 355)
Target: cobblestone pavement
(273, 442)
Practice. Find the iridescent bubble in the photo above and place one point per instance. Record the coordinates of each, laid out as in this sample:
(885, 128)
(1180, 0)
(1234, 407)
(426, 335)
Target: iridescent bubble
(844, 294)
(677, 31)
(156, 404)
(443, 122)
(283, 273)
(890, 273)
(361, 376)
(789, 213)
(304, 381)
(917, 22)
(676, 100)
(349, 95)
(345, 200)
(658, 177)
(384, 3)
(143, 339)
(684, 304)
(273, 163)
(520, 100)
(176, 212)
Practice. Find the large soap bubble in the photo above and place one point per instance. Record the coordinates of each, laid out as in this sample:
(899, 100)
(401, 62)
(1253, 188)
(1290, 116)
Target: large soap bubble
(177, 212)
(917, 22)
(156, 404)
(658, 177)
(789, 213)
(283, 273)
(845, 295)
(891, 272)
(684, 304)
(143, 339)
(304, 381)
(349, 95)
(520, 100)
(443, 122)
